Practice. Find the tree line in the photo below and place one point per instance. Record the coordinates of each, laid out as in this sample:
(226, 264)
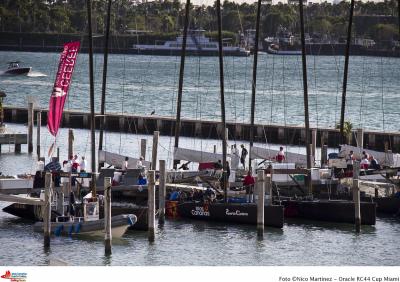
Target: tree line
(375, 20)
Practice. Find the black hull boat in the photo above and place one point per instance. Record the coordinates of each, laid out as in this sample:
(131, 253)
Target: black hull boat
(242, 213)
(18, 71)
(330, 210)
(388, 205)
(15, 69)
(34, 213)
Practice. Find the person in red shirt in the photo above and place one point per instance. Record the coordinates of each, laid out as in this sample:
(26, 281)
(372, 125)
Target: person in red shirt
(248, 183)
(280, 157)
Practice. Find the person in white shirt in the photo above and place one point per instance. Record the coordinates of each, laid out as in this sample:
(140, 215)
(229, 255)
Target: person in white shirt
(140, 163)
(83, 165)
(125, 164)
(235, 157)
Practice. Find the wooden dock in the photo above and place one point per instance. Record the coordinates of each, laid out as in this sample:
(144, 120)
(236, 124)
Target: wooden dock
(208, 129)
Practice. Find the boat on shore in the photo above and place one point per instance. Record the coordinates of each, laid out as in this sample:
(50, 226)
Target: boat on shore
(197, 44)
(15, 69)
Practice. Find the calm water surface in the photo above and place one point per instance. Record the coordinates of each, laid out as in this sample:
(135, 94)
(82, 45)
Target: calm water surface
(183, 242)
(140, 84)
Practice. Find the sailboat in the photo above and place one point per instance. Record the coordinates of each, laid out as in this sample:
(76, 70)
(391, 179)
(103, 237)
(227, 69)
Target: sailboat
(224, 210)
(89, 223)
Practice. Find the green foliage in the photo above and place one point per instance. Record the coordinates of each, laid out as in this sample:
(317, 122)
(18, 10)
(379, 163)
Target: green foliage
(375, 20)
(347, 129)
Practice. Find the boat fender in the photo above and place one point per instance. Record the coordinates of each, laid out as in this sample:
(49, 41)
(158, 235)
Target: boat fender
(58, 230)
(130, 221)
(71, 228)
(78, 227)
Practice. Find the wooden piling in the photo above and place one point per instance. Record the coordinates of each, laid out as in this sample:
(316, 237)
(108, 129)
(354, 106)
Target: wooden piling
(107, 216)
(260, 203)
(58, 153)
(70, 143)
(360, 138)
(268, 187)
(162, 193)
(154, 151)
(143, 148)
(313, 142)
(324, 154)
(356, 196)
(151, 203)
(30, 127)
(47, 211)
(38, 124)
(60, 200)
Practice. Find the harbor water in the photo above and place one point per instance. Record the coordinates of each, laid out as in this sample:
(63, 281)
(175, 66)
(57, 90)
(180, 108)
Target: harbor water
(141, 84)
(184, 242)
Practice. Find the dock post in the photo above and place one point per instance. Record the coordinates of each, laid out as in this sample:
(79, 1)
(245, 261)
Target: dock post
(151, 202)
(360, 138)
(30, 127)
(161, 193)
(314, 142)
(107, 215)
(215, 149)
(143, 148)
(268, 187)
(324, 154)
(70, 143)
(47, 210)
(154, 151)
(260, 203)
(60, 200)
(356, 195)
(38, 124)
(58, 153)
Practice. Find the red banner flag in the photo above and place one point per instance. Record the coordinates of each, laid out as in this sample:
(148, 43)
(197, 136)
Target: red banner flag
(61, 86)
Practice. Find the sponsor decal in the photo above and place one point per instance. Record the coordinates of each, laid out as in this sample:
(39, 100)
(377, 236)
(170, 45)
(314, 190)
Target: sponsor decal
(15, 276)
(201, 211)
(236, 213)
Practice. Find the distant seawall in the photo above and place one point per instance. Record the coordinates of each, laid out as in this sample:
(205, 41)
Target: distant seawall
(208, 129)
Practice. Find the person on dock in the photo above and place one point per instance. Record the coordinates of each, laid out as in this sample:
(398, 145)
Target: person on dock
(83, 165)
(140, 163)
(248, 183)
(218, 165)
(75, 164)
(243, 156)
(364, 164)
(234, 157)
(350, 161)
(373, 163)
(124, 166)
(280, 157)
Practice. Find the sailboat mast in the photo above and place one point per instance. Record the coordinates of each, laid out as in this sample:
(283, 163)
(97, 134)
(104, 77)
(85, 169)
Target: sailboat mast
(345, 74)
(91, 83)
(253, 85)
(305, 86)
(180, 86)
(103, 86)
(221, 81)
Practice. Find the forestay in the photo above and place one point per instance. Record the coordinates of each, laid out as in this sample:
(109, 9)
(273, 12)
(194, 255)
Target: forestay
(117, 160)
(386, 159)
(196, 156)
(270, 154)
